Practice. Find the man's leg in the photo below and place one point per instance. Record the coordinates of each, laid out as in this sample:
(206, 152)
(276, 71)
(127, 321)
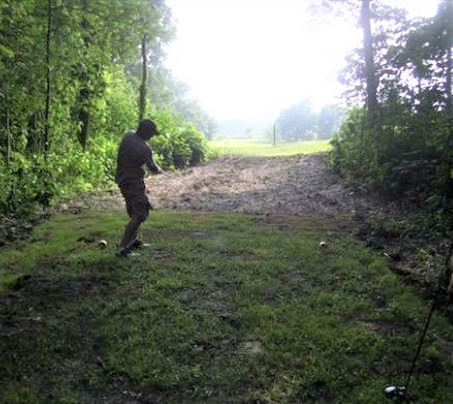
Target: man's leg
(137, 206)
(130, 232)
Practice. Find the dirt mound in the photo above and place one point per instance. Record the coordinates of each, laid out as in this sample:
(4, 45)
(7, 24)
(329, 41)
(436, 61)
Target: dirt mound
(278, 185)
(292, 185)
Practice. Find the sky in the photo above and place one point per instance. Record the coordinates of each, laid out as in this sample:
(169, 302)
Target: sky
(249, 59)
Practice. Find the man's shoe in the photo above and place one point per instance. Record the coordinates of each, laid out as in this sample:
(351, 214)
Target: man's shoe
(138, 244)
(125, 252)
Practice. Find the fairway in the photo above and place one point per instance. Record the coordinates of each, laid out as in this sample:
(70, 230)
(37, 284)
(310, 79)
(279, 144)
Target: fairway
(221, 308)
(249, 147)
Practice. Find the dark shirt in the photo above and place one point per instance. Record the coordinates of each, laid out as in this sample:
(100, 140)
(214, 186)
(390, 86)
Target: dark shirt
(133, 154)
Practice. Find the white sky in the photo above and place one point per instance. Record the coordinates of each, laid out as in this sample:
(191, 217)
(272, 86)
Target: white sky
(249, 59)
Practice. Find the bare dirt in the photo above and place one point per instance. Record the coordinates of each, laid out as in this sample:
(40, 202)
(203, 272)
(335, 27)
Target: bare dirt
(276, 185)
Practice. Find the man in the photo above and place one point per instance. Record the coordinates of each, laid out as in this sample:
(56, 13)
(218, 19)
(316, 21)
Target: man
(133, 154)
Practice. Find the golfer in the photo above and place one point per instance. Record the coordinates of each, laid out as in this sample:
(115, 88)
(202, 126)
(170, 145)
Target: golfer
(133, 154)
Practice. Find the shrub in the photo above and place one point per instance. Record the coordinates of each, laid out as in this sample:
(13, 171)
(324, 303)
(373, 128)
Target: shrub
(25, 183)
(352, 153)
(180, 145)
(397, 161)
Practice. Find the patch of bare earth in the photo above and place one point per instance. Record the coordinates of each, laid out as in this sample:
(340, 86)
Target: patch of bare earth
(277, 185)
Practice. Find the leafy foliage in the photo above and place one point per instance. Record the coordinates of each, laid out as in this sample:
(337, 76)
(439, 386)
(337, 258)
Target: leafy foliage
(408, 152)
(93, 95)
(181, 145)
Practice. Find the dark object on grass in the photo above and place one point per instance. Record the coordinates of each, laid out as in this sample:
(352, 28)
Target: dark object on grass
(136, 244)
(126, 252)
(395, 392)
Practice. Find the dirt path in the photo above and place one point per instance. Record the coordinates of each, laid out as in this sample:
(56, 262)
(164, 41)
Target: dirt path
(278, 185)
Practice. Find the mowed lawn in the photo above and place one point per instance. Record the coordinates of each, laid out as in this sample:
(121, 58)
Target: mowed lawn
(221, 308)
(261, 148)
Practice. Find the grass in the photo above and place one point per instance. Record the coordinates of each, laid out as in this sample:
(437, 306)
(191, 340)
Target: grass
(260, 148)
(222, 308)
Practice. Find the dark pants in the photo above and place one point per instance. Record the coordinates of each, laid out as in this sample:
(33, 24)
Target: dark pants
(137, 204)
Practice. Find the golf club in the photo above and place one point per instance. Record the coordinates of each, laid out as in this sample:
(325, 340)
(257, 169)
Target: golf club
(400, 393)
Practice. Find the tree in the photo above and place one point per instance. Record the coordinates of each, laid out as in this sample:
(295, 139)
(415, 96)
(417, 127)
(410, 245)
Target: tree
(370, 69)
(57, 59)
(329, 121)
(297, 122)
(412, 154)
(142, 101)
(48, 67)
(192, 111)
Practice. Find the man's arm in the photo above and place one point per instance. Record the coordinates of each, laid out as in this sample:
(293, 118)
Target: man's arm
(150, 163)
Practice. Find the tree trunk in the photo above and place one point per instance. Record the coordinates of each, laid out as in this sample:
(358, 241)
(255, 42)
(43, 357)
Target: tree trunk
(448, 76)
(84, 117)
(449, 112)
(142, 101)
(370, 69)
(8, 131)
(47, 111)
(84, 92)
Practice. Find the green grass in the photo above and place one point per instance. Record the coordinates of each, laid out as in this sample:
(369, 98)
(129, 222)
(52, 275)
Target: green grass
(222, 308)
(261, 148)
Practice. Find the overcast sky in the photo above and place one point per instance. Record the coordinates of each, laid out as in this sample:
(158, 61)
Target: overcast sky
(249, 59)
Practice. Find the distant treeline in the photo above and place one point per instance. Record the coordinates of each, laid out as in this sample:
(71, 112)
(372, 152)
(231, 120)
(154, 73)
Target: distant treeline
(300, 122)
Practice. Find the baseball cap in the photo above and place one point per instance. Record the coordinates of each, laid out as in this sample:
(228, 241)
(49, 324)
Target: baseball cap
(147, 126)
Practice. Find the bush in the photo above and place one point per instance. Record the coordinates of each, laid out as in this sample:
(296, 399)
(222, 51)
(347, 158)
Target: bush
(397, 162)
(352, 153)
(29, 181)
(25, 183)
(181, 145)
